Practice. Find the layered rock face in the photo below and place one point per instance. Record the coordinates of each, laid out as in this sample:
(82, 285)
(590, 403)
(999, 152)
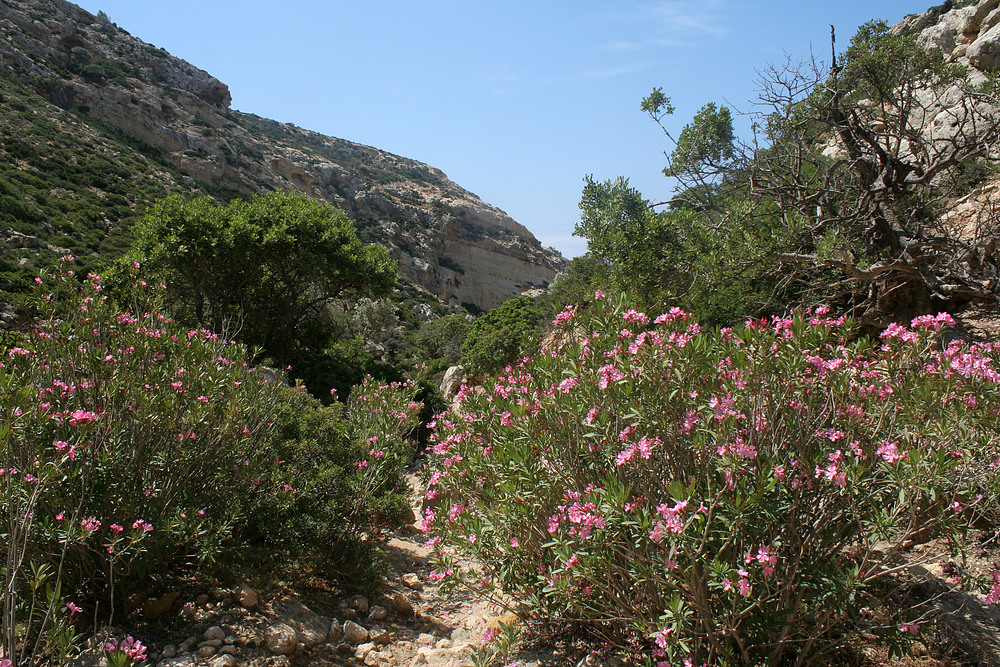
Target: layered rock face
(446, 239)
(969, 34)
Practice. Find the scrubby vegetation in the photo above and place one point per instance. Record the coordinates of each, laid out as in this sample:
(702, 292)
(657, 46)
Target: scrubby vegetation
(712, 465)
(135, 448)
(836, 198)
(733, 496)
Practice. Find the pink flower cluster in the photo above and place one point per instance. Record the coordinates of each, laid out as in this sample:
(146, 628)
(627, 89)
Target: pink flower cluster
(672, 521)
(133, 648)
(581, 518)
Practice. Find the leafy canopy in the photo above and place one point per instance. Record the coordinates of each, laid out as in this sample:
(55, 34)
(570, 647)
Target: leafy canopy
(262, 269)
(502, 335)
(836, 198)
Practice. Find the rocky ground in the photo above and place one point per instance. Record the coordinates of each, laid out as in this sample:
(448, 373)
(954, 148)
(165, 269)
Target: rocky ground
(414, 623)
(411, 623)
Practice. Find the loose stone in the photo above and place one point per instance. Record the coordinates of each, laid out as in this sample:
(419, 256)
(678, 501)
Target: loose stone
(281, 639)
(354, 633)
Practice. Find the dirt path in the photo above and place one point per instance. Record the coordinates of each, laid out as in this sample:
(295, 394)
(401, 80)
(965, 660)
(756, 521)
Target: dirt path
(411, 623)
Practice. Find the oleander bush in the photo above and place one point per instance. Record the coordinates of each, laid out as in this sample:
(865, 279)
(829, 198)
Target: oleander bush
(733, 496)
(134, 447)
(383, 418)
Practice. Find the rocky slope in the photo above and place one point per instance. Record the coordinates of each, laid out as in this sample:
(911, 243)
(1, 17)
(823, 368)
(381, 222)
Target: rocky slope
(446, 239)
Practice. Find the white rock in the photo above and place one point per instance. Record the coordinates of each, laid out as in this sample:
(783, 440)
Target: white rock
(223, 661)
(281, 639)
(169, 651)
(362, 651)
(377, 613)
(215, 632)
(247, 596)
(413, 582)
(180, 661)
(984, 53)
(402, 605)
(938, 36)
(354, 633)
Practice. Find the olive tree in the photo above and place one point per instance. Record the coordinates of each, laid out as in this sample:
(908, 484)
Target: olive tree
(841, 195)
(263, 270)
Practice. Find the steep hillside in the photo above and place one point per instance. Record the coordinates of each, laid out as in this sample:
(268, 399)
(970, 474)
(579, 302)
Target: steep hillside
(96, 122)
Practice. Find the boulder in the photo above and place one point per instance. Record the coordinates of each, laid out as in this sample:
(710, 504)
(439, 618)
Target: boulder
(281, 639)
(311, 628)
(402, 605)
(354, 633)
(452, 380)
(939, 35)
(984, 53)
(247, 596)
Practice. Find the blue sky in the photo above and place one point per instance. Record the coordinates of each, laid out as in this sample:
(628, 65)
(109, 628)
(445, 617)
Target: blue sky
(516, 101)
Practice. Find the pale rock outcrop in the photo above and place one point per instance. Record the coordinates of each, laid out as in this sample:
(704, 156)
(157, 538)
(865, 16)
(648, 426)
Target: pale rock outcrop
(968, 35)
(446, 239)
(451, 382)
(984, 53)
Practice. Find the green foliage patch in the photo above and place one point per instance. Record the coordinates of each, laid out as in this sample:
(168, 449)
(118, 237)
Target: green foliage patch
(724, 497)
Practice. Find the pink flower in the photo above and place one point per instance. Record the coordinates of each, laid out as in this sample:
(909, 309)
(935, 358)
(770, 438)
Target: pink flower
(566, 315)
(514, 543)
(633, 316)
(73, 608)
(79, 417)
(912, 628)
(994, 595)
(142, 525)
(133, 648)
(888, 451)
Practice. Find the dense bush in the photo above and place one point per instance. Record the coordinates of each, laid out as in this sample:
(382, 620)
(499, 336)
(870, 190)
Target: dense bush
(384, 418)
(731, 497)
(502, 335)
(265, 268)
(132, 446)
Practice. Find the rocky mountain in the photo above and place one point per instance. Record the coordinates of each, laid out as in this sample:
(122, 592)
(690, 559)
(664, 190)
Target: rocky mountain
(70, 80)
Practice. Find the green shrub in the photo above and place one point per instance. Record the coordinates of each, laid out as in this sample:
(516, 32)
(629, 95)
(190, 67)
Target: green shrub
(729, 497)
(383, 419)
(133, 447)
(502, 335)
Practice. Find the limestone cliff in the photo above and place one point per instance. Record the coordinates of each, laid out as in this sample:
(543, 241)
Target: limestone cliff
(446, 239)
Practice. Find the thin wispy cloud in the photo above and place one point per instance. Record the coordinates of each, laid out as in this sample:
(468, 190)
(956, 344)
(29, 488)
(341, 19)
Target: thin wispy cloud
(609, 72)
(685, 17)
(677, 23)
